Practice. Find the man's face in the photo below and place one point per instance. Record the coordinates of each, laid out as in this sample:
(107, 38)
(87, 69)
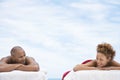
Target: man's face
(19, 56)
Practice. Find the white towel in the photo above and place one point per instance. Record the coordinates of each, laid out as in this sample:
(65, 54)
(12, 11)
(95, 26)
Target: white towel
(94, 75)
(23, 75)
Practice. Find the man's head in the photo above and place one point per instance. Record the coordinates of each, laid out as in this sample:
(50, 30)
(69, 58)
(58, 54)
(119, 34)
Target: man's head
(18, 54)
(105, 54)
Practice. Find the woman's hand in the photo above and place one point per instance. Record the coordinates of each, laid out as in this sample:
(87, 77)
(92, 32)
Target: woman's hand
(106, 68)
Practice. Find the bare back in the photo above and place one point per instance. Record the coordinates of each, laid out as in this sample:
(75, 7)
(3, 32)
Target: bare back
(93, 63)
(8, 64)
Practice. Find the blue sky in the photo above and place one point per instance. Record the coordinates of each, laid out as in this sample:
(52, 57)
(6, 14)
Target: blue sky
(59, 33)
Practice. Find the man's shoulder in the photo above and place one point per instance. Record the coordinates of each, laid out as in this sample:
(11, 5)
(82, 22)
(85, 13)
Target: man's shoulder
(5, 59)
(28, 58)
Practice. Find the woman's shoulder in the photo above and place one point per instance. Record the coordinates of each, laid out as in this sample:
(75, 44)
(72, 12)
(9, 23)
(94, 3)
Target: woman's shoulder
(91, 63)
(115, 63)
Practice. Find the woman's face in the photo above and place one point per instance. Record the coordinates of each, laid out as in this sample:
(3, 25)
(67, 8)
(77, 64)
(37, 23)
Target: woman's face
(102, 60)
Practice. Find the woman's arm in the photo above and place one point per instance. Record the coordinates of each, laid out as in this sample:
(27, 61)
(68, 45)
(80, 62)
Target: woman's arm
(110, 68)
(88, 66)
(114, 66)
(83, 67)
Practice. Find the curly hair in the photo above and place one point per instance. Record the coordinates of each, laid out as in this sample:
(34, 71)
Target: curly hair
(106, 49)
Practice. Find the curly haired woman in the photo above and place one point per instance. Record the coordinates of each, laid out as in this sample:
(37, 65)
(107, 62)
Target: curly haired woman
(104, 60)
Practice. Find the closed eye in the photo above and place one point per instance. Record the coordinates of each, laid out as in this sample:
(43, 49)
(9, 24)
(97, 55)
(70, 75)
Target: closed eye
(22, 56)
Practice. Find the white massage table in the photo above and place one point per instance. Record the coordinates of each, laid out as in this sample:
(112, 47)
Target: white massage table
(94, 75)
(23, 75)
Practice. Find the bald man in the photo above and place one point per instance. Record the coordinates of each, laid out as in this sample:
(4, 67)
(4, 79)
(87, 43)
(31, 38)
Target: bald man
(18, 61)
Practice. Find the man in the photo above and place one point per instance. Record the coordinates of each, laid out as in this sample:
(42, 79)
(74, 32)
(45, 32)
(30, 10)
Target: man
(18, 61)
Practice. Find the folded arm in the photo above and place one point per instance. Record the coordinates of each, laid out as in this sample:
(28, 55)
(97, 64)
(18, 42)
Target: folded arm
(4, 67)
(110, 68)
(88, 66)
(8, 67)
(83, 67)
(114, 66)
(31, 66)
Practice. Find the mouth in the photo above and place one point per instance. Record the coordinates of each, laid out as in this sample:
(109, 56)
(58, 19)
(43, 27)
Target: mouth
(22, 61)
(100, 65)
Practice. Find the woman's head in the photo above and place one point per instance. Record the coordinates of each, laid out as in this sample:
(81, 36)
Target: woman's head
(105, 54)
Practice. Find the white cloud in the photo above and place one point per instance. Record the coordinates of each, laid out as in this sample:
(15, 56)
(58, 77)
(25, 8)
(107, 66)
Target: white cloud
(95, 11)
(93, 7)
(115, 19)
(55, 35)
(116, 2)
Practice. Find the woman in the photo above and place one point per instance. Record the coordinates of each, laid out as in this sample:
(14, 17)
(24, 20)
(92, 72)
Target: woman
(104, 60)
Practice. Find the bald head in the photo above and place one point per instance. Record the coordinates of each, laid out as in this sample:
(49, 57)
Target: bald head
(18, 54)
(16, 49)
